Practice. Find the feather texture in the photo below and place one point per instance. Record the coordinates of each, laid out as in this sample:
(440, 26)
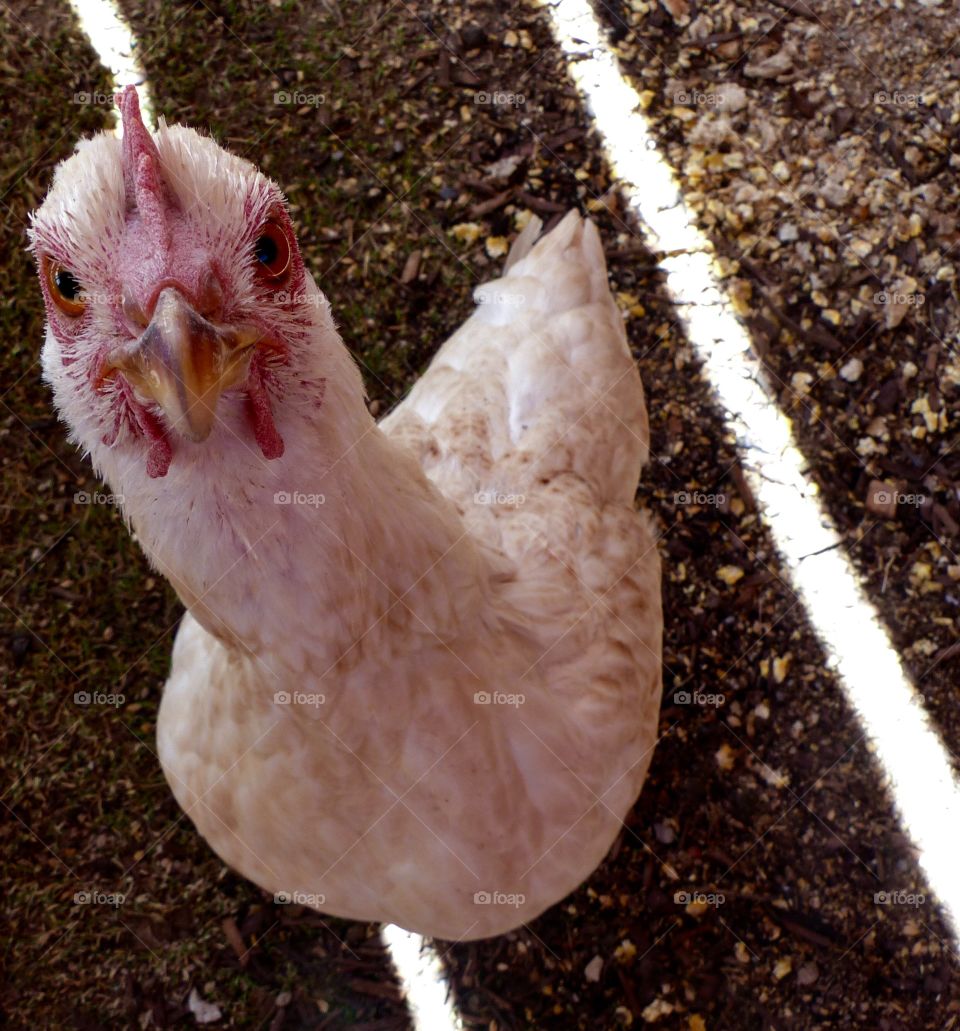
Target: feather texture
(419, 676)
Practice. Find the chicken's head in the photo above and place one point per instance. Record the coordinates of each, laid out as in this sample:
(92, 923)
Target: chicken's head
(174, 292)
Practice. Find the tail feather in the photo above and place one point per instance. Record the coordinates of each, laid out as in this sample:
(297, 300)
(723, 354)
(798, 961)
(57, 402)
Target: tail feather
(547, 275)
(540, 380)
(523, 243)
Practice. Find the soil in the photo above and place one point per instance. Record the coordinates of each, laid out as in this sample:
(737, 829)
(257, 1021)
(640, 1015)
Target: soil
(743, 891)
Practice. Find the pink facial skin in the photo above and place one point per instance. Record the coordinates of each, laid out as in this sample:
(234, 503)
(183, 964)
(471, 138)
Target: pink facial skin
(162, 245)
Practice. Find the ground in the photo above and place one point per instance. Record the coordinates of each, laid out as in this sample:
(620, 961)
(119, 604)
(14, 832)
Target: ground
(820, 196)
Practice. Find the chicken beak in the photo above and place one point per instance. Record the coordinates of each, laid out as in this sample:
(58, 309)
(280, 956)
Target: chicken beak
(184, 362)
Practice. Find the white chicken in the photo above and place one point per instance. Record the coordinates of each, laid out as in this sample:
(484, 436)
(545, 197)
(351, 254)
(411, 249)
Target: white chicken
(418, 679)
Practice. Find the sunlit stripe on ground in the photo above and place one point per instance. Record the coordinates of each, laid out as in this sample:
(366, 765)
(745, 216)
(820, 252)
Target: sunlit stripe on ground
(858, 646)
(421, 974)
(113, 41)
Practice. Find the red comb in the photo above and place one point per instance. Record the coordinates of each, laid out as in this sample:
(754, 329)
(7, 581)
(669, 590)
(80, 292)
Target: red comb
(142, 179)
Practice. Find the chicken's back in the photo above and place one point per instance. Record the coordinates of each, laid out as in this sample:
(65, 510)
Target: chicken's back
(531, 419)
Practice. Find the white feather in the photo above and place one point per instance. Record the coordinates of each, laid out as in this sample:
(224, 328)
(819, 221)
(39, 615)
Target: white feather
(404, 595)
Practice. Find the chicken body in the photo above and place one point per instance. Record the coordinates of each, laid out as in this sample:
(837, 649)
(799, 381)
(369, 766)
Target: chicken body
(419, 676)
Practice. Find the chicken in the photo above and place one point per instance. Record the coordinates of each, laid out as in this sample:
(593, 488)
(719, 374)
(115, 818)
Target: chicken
(418, 678)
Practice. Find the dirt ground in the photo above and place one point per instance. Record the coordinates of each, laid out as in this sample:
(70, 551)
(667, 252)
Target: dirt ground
(820, 196)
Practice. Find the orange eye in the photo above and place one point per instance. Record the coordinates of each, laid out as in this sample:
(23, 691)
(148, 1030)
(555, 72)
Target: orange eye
(64, 288)
(272, 254)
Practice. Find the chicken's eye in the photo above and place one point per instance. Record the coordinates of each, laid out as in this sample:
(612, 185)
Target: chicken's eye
(64, 288)
(272, 254)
